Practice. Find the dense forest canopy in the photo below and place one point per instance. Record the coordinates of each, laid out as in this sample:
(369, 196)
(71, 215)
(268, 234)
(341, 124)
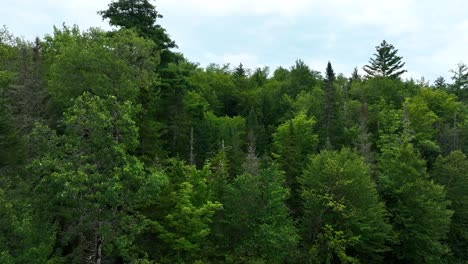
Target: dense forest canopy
(115, 148)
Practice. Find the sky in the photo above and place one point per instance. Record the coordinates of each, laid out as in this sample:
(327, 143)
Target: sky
(430, 35)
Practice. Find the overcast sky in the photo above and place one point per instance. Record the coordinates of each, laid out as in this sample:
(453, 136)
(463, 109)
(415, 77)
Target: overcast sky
(432, 36)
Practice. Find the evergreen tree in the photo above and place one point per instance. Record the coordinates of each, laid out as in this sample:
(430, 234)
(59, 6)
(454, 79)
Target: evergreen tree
(386, 62)
(330, 112)
(460, 81)
(440, 83)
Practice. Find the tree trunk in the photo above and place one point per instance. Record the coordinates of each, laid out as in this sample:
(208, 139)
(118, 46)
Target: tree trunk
(98, 247)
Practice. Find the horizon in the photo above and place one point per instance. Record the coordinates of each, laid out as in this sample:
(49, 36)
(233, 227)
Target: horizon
(430, 36)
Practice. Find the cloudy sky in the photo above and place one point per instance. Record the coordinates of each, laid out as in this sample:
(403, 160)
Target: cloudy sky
(432, 36)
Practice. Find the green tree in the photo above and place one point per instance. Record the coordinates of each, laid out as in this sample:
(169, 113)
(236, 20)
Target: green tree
(260, 76)
(294, 141)
(343, 221)
(140, 15)
(90, 184)
(300, 78)
(422, 122)
(240, 77)
(120, 65)
(447, 130)
(386, 62)
(451, 171)
(22, 90)
(181, 219)
(227, 134)
(460, 81)
(330, 113)
(11, 146)
(417, 206)
(263, 231)
(440, 83)
(24, 238)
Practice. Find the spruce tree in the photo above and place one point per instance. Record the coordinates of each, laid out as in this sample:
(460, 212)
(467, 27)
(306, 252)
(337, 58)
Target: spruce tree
(330, 112)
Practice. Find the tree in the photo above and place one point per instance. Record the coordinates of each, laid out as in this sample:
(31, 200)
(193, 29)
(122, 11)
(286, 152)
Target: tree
(260, 76)
(90, 184)
(330, 112)
(300, 78)
(451, 171)
(227, 134)
(460, 78)
(421, 121)
(293, 142)
(355, 75)
(140, 15)
(120, 65)
(256, 225)
(440, 83)
(181, 219)
(11, 146)
(343, 221)
(417, 206)
(386, 62)
(449, 117)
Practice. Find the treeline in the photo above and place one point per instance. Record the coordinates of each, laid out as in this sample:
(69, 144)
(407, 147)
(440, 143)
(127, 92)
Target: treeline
(114, 148)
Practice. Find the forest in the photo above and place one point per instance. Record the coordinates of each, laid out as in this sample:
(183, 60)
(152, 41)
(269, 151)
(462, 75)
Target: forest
(115, 148)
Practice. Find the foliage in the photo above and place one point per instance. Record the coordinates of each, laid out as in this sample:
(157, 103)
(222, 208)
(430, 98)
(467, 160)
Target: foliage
(90, 183)
(417, 206)
(451, 171)
(93, 62)
(140, 15)
(293, 142)
(256, 224)
(343, 220)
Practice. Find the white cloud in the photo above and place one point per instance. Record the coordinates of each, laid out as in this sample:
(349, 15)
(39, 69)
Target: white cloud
(219, 8)
(394, 16)
(431, 35)
(31, 18)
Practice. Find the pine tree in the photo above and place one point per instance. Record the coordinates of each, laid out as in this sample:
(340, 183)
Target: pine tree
(386, 62)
